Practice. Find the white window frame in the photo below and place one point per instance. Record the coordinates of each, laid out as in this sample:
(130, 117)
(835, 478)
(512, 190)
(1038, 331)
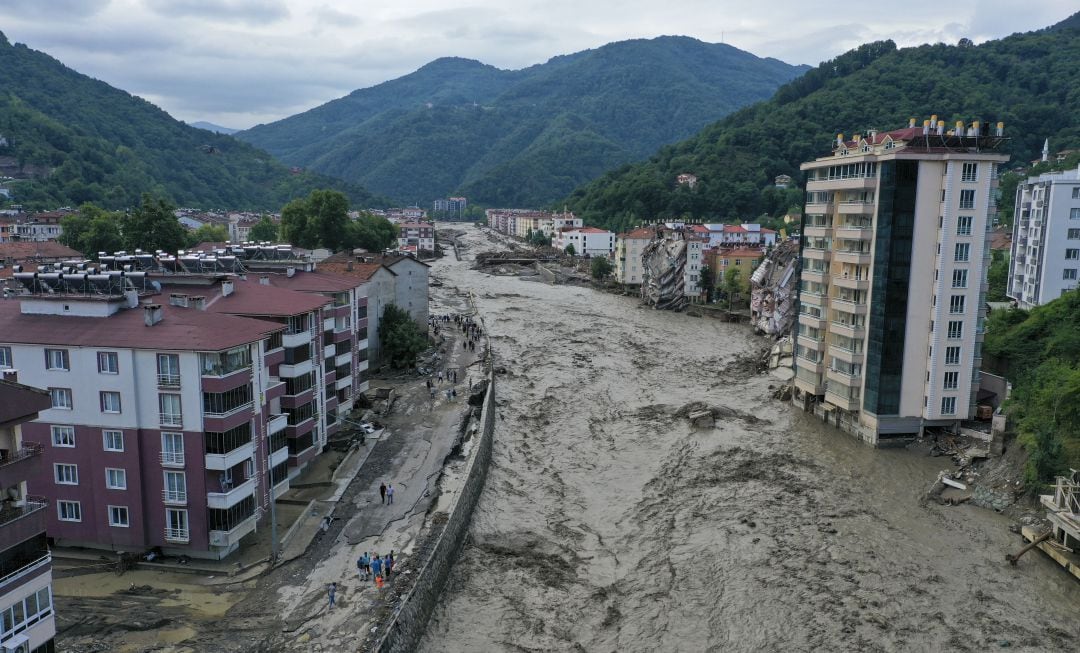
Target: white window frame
(114, 516)
(1072, 254)
(106, 434)
(104, 399)
(171, 419)
(108, 362)
(955, 329)
(962, 252)
(948, 405)
(59, 436)
(959, 278)
(115, 478)
(1068, 274)
(168, 375)
(952, 360)
(967, 199)
(57, 360)
(957, 304)
(963, 225)
(969, 172)
(61, 478)
(5, 358)
(75, 506)
(57, 393)
(175, 532)
(1072, 234)
(172, 455)
(952, 381)
(177, 493)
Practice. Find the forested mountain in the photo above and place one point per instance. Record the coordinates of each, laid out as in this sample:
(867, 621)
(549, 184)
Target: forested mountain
(1029, 81)
(79, 140)
(522, 137)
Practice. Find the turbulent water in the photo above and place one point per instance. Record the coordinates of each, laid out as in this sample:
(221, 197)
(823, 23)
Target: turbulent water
(608, 524)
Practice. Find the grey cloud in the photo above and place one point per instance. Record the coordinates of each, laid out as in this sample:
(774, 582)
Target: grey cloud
(326, 15)
(254, 12)
(53, 9)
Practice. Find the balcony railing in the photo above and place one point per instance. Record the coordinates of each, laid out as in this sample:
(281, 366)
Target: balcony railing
(177, 534)
(172, 458)
(28, 450)
(174, 497)
(31, 505)
(168, 380)
(171, 419)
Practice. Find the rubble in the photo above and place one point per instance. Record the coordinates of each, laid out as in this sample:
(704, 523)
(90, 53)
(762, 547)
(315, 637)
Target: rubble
(662, 281)
(772, 290)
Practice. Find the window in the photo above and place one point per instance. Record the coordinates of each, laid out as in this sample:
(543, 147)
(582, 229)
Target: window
(113, 440)
(962, 252)
(1076, 193)
(66, 474)
(172, 448)
(115, 479)
(956, 303)
(61, 398)
(963, 225)
(948, 405)
(63, 436)
(967, 199)
(952, 355)
(175, 487)
(110, 401)
(5, 357)
(176, 525)
(970, 172)
(108, 362)
(1069, 274)
(959, 279)
(952, 380)
(1070, 255)
(118, 516)
(56, 359)
(169, 405)
(1074, 214)
(956, 329)
(69, 510)
(1073, 234)
(168, 369)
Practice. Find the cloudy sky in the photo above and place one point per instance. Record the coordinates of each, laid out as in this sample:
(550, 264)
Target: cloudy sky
(241, 62)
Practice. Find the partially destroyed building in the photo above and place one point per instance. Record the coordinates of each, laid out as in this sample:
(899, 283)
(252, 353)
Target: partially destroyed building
(772, 290)
(671, 269)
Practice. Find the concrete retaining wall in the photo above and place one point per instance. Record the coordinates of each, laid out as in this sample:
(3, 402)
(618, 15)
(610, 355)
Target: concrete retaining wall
(408, 624)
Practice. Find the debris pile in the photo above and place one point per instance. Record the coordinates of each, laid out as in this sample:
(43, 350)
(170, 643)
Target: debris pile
(772, 290)
(664, 263)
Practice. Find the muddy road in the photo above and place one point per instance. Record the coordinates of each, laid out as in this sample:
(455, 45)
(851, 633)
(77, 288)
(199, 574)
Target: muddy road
(608, 524)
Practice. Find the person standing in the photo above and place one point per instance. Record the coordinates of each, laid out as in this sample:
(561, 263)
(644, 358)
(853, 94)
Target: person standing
(382, 492)
(390, 493)
(331, 593)
(360, 567)
(376, 565)
(389, 564)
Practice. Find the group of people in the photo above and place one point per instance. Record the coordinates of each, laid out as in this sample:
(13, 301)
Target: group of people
(375, 567)
(386, 493)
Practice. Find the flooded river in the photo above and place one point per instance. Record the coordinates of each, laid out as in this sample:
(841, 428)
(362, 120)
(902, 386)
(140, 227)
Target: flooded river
(608, 524)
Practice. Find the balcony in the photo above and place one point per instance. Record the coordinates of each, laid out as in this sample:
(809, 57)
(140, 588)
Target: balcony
(848, 305)
(223, 461)
(816, 254)
(276, 424)
(292, 371)
(275, 390)
(852, 256)
(809, 381)
(840, 401)
(844, 379)
(343, 383)
(818, 276)
(812, 298)
(849, 329)
(820, 232)
(10, 580)
(170, 419)
(21, 522)
(852, 283)
(855, 207)
(846, 355)
(810, 342)
(811, 320)
(168, 381)
(174, 497)
(19, 465)
(343, 358)
(172, 458)
(177, 535)
(291, 340)
(236, 533)
(854, 232)
(279, 456)
(223, 500)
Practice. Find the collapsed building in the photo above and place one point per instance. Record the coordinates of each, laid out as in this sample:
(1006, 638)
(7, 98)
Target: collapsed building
(671, 269)
(772, 290)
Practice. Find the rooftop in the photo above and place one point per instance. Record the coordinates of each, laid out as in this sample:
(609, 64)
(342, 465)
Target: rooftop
(48, 249)
(21, 403)
(255, 299)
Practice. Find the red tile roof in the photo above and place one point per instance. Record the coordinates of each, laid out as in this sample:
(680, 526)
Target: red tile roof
(49, 249)
(253, 298)
(310, 282)
(641, 233)
(734, 229)
(590, 230)
(184, 329)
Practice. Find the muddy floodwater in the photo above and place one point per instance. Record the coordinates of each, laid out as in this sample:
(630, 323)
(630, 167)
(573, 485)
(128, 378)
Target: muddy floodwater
(609, 524)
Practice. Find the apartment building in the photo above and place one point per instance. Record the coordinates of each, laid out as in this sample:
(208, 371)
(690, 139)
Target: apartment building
(1045, 259)
(416, 237)
(28, 623)
(629, 247)
(587, 241)
(895, 254)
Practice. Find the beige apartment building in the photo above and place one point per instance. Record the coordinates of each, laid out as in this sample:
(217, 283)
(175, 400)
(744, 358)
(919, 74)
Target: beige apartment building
(629, 247)
(894, 260)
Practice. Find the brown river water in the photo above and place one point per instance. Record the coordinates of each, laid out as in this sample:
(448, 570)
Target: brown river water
(608, 524)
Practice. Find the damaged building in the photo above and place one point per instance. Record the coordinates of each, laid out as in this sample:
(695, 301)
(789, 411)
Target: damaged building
(772, 290)
(671, 264)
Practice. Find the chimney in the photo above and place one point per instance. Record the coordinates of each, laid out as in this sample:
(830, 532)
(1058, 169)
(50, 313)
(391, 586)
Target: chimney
(152, 314)
(290, 272)
(264, 280)
(227, 288)
(348, 266)
(178, 299)
(198, 302)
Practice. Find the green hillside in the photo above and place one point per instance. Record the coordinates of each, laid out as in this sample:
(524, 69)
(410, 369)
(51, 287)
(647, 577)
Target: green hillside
(72, 139)
(1030, 81)
(522, 136)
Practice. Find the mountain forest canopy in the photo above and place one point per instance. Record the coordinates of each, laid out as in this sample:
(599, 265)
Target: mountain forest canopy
(1030, 81)
(522, 137)
(68, 139)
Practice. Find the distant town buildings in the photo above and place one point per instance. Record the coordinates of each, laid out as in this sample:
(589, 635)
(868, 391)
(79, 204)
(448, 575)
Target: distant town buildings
(686, 179)
(17, 226)
(452, 208)
(524, 222)
(1045, 262)
(894, 258)
(782, 181)
(417, 237)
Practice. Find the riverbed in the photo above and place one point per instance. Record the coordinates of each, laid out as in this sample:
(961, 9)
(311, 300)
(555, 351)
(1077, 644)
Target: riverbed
(609, 524)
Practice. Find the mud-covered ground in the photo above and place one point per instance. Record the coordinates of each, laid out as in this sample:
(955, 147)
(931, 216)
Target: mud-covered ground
(608, 524)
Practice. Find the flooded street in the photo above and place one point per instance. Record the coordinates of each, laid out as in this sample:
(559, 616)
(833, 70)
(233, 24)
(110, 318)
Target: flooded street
(608, 524)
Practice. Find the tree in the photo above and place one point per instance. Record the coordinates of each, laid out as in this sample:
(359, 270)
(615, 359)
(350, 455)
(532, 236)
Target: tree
(153, 226)
(92, 230)
(210, 233)
(264, 230)
(371, 232)
(570, 251)
(998, 277)
(319, 220)
(400, 337)
(294, 225)
(600, 267)
(732, 284)
(707, 282)
(539, 239)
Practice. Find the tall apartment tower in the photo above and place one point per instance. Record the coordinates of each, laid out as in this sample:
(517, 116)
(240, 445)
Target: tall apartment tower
(895, 254)
(1046, 244)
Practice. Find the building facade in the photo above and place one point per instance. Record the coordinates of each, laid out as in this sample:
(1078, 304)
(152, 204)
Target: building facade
(891, 303)
(29, 623)
(1045, 260)
(416, 237)
(587, 241)
(628, 249)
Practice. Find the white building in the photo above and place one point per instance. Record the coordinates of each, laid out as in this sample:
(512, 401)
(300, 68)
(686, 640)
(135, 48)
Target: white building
(629, 247)
(587, 241)
(1045, 259)
(410, 286)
